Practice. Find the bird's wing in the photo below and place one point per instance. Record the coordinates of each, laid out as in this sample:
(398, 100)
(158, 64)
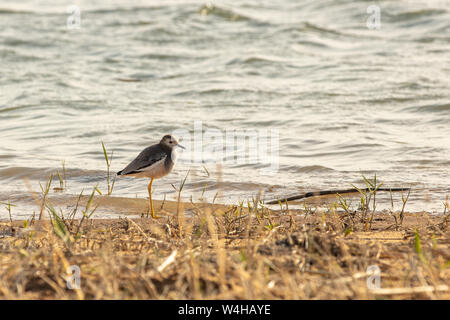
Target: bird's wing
(145, 159)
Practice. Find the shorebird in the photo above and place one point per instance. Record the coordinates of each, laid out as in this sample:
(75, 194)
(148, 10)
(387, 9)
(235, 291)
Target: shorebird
(154, 162)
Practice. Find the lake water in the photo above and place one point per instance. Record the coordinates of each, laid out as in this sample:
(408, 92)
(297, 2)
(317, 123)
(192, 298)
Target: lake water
(344, 94)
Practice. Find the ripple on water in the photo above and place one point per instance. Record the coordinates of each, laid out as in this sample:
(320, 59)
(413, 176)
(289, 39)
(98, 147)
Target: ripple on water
(433, 108)
(343, 97)
(221, 12)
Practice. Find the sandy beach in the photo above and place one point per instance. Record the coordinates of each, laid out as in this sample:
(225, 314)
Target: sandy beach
(206, 251)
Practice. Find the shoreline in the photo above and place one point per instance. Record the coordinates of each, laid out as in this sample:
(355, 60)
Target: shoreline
(110, 206)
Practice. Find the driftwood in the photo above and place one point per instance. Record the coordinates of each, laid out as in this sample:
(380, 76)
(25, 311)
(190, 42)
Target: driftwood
(325, 192)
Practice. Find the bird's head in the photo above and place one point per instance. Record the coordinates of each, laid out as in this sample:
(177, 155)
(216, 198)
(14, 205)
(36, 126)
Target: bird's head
(170, 141)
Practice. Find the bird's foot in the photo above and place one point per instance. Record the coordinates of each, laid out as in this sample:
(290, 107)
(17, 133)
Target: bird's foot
(154, 215)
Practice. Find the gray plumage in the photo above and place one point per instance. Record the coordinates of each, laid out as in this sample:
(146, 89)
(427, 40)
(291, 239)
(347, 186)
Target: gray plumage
(148, 157)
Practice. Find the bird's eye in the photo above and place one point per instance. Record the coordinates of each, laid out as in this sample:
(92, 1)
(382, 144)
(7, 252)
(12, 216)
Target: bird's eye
(170, 141)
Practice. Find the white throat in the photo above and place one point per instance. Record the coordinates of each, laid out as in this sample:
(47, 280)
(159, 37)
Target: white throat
(174, 155)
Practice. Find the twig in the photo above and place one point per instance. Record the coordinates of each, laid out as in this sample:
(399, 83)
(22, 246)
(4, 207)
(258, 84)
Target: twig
(170, 259)
(411, 290)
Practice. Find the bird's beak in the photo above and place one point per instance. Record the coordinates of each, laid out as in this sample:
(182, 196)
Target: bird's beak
(181, 146)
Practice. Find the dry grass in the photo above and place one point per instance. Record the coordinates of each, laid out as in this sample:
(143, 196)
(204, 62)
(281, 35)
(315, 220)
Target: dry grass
(218, 252)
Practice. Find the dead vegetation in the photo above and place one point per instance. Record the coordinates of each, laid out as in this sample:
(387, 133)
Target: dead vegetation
(236, 252)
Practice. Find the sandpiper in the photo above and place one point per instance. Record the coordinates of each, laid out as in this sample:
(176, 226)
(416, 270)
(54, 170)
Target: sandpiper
(154, 162)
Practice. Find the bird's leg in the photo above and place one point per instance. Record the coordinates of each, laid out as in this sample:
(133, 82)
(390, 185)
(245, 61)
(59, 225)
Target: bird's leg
(150, 197)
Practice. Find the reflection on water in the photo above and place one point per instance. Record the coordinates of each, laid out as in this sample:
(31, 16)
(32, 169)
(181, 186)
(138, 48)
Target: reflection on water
(345, 99)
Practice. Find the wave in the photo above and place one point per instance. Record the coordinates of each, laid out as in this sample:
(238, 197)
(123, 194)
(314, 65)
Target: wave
(227, 14)
(307, 169)
(413, 15)
(43, 173)
(14, 11)
(434, 108)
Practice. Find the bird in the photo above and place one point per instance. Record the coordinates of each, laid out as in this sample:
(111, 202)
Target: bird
(154, 162)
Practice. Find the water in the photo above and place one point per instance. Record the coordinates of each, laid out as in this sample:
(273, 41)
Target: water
(344, 98)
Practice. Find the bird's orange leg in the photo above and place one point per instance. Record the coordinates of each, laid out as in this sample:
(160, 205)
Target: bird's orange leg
(151, 202)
